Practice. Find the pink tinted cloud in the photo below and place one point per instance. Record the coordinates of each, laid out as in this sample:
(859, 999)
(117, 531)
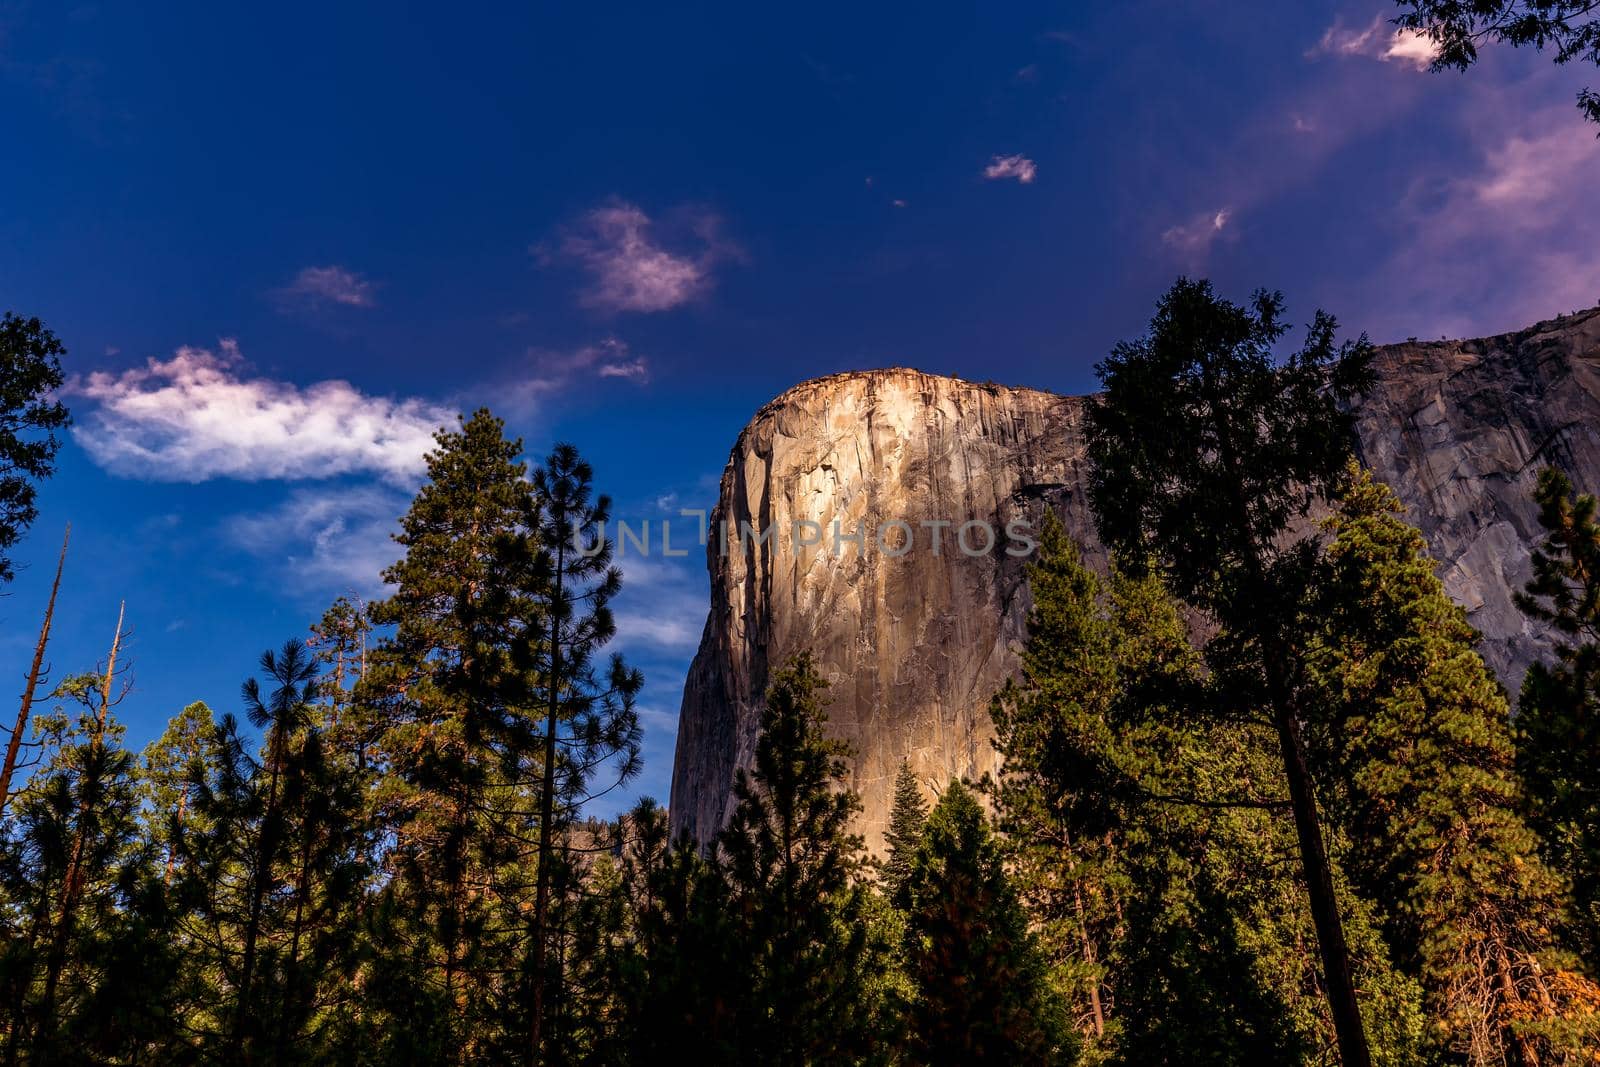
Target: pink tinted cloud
(629, 264)
(1192, 240)
(333, 284)
(1381, 41)
(1019, 167)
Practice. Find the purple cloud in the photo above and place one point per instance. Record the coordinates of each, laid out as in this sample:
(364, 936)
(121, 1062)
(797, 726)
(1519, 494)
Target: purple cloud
(1193, 239)
(630, 269)
(1023, 169)
(321, 286)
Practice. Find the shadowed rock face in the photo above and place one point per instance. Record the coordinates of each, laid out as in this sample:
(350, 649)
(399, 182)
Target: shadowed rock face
(915, 638)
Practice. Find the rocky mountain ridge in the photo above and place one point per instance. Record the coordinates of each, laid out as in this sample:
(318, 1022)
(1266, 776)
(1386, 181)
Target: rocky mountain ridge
(877, 518)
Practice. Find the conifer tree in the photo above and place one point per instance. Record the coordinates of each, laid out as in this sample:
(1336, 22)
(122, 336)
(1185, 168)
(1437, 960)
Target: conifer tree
(270, 862)
(1056, 792)
(173, 763)
(590, 726)
(1142, 827)
(1558, 714)
(907, 815)
(88, 968)
(982, 992)
(280, 717)
(791, 865)
(339, 642)
(449, 752)
(1420, 767)
(1205, 450)
(683, 978)
(30, 416)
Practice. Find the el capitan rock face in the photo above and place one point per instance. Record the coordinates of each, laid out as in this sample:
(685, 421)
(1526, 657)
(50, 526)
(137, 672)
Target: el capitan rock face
(915, 642)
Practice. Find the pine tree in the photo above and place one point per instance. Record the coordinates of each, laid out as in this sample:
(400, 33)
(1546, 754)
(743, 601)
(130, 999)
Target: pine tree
(686, 977)
(281, 716)
(339, 642)
(88, 967)
(449, 751)
(30, 416)
(590, 726)
(173, 763)
(1205, 451)
(907, 815)
(1558, 714)
(1055, 794)
(791, 865)
(1418, 753)
(982, 993)
(1143, 831)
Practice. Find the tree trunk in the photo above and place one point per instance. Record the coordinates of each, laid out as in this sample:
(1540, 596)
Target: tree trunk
(547, 807)
(1335, 952)
(1089, 958)
(1275, 658)
(34, 673)
(1523, 1052)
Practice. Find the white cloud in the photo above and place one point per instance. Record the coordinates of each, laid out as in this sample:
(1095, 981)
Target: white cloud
(1021, 168)
(1193, 239)
(1409, 46)
(326, 541)
(195, 416)
(630, 269)
(1380, 41)
(320, 286)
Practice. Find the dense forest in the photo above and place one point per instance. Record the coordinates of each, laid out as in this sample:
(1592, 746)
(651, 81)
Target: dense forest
(1320, 835)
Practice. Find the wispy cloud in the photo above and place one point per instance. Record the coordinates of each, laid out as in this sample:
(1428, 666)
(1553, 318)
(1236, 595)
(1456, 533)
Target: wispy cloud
(1193, 239)
(662, 608)
(325, 540)
(319, 287)
(630, 265)
(1021, 168)
(196, 416)
(1501, 243)
(551, 371)
(1380, 41)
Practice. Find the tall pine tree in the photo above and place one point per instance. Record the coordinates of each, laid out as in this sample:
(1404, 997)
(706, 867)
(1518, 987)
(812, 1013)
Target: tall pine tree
(590, 729)
(1206, 449)
(1416, 746)
(30, 416)
(449, 751)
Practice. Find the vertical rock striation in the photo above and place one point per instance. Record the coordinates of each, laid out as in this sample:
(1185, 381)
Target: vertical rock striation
(915, 626)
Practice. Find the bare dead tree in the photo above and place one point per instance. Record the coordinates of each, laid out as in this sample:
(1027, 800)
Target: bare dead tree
(36, 673)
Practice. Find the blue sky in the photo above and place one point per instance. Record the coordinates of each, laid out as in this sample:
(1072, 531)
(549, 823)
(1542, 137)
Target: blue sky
(282, 243)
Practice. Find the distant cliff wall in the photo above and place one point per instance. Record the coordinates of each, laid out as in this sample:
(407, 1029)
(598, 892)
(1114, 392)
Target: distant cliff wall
(915, 642)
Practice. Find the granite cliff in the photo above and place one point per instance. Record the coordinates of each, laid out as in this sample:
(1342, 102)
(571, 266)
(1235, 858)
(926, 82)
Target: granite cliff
(916, 620)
